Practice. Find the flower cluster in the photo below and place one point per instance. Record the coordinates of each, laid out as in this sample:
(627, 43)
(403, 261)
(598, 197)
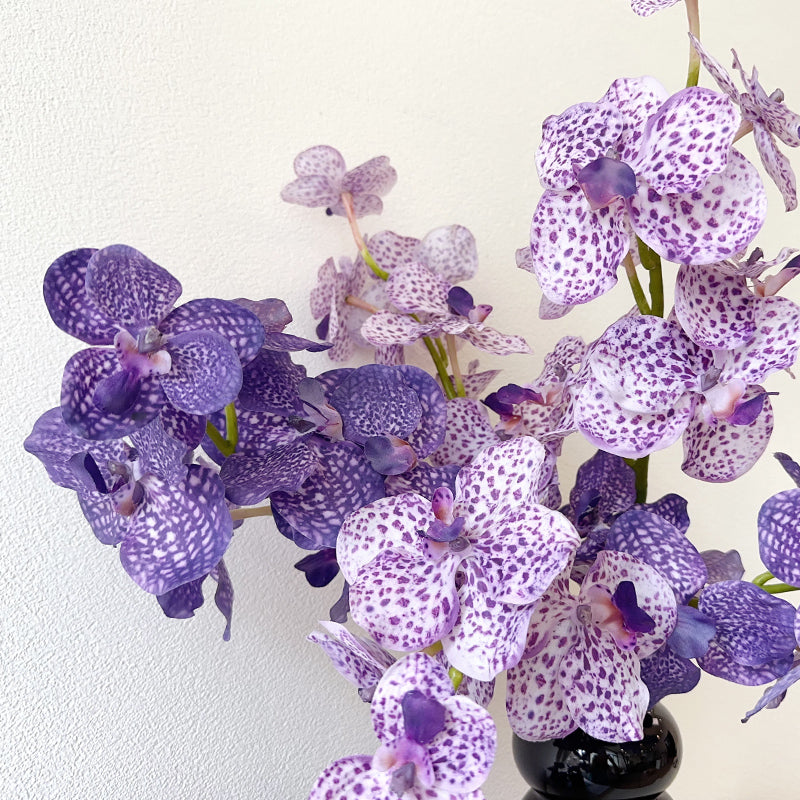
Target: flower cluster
(438, 501)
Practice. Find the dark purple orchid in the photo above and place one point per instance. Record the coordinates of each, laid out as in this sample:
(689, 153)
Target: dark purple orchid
(322, 179)
(170, 519)
(434, 744)
(189, 358)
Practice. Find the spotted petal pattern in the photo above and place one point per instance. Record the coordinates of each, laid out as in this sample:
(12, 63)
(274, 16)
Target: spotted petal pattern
(779, 535)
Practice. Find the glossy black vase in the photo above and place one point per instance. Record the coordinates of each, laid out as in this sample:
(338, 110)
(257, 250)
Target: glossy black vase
(579, 767)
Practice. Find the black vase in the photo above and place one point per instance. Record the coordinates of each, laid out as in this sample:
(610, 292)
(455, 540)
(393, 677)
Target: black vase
(579, 767)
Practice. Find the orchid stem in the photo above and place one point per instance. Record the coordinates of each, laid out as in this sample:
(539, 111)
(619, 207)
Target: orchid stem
(640, 467)
(357, 302)
(347, 202)
(246, 513)
(455, 677)
(651, 261)
(226, 446)
(763, 578)
(780, 588)
(636, 286)
(441, 369)
(451, 348)
(693, 15)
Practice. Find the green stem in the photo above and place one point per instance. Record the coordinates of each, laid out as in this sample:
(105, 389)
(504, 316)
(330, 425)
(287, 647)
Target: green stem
(639, 467)
(455, 677)
(780, 588)
(442, 351)
(451, 347)
(441, 368)
(226, 446)
(651, 261)
(693, 15)
(636, 286)
(763, 578)
(373, 265)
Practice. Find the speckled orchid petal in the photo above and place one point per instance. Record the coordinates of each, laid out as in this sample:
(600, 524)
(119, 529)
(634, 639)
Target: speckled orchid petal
(259, 433)
(429, 432)
(666, 673)
(630, 434)
(500, 477)
(424, 480)
(774, 346)
(722, 452)
(186, 428)
(272, 312)
(406, 601)
(374, 177)
(269, 384)
(376, 400)
(206, 373)
(755, 633)
(656, 542)
(654, 594)
(343, 483)
(606, 482)
(322, 294)
(415, 671)
(576, 251)
(463, 753)
(550, 310)
(159, 453)
(705, 226)
(344, 777)
(82, 375)
(386, 328)
(715, 69)
(777, 166)
(603, 689)
(686, 141)
(491, 341)
(645, 363)
(319, 174)
(773, 696)
(468, 432)
(637, 99)
(535, 702)
(714, 309)
(108, 526)
(242, 329)
(249, 479)
(358, 659)
(672, 507)
(320, 160)
(488, 636)
(779, 535)
(179, 533)
(644, 8)
(790, 466)
(476, 383)
(389, 249)
(450, 252)
(723, 566)
(413, 288)
(66, 300)
(391, 522)
(525, 552)
(574, 138)
(128, 287)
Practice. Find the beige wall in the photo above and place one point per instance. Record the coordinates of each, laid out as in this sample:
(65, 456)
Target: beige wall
(171, 126)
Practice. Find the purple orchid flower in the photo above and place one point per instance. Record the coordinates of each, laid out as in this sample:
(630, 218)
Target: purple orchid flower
(189, 358)
(644, 8)
(650, 384)
(439, 308)
(434, 744)
(322, 179)
(779, 528)
(581, 667)
(673, 180)
(766, 115)
(170, 519)
(453, 564)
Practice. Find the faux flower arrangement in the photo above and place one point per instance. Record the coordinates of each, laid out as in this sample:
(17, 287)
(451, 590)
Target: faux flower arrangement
(447, 524)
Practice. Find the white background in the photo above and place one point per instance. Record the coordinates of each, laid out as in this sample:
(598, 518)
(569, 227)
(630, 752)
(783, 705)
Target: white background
(172, 126)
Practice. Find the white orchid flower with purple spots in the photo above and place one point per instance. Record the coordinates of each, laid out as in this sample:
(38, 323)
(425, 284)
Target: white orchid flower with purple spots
(717, 309)
(439, 308)
(152, 357)
(650, 385)
(581, 667)
(644, 8)
(638, 160)
(466, 568)
(322, 179)
(434, 745)
(169, 519)
(766, 115)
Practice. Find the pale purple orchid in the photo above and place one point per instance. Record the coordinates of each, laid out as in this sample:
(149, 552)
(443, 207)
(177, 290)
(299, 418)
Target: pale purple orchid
(466, 568)
(434, 745)
(439, 309)
(169, 519)
(154, 357)
(779, 528)
(322, 179)
(581, 667)
(766, 115)
(644, 8)
(639, 162)
(650, 385)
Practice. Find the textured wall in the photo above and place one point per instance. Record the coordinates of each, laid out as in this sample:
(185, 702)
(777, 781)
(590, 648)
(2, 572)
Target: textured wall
(171, 126)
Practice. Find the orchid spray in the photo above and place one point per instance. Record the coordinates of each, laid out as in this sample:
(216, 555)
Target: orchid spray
(434, 501)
